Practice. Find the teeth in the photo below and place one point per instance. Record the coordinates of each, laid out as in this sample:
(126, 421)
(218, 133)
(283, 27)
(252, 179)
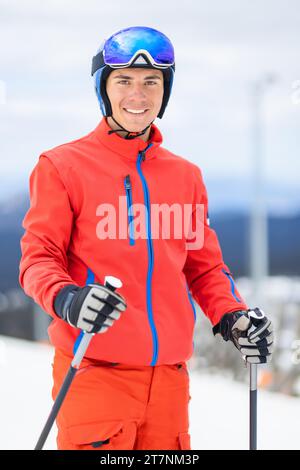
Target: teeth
(135, 111)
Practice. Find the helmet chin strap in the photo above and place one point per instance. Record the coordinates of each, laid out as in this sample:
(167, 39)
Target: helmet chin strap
(130, 135)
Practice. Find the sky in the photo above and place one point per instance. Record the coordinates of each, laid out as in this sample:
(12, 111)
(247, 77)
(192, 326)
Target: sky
(221, 50)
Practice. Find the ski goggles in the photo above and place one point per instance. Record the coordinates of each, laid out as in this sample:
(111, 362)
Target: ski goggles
(124, 47)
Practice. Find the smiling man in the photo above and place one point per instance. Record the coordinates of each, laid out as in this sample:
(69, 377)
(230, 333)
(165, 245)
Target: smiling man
(132, 389)
(136, 97)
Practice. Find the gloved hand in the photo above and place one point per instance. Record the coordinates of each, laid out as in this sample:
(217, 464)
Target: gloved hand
(92, 308)
(250, 331)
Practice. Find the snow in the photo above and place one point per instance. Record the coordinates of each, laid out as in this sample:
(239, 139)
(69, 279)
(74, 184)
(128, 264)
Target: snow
(219, 416)
(218, 408)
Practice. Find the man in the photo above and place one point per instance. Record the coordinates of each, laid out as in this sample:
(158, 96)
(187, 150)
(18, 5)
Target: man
(132, 390)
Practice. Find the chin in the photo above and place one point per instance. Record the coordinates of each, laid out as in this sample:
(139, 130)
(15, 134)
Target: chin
(133, 127)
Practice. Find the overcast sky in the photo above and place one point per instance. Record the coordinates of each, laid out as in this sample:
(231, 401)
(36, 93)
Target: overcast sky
(221, 47)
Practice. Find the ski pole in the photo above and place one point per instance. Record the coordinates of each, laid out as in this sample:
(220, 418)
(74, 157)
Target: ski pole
(253, 407)
(85, 338)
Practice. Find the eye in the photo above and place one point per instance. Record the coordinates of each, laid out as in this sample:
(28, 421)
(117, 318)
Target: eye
(148, 82)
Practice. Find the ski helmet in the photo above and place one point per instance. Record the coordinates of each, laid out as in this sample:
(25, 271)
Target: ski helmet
(138, 46)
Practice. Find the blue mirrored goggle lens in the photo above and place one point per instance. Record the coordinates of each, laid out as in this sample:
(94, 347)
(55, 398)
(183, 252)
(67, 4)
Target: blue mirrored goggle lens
(121, 47)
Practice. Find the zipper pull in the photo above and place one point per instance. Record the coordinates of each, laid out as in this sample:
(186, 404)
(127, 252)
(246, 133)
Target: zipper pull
(142, 154)
(127, 182)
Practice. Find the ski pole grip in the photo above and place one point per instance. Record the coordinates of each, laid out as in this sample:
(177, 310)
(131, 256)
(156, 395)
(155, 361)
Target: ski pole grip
(112, 282)
(84, 339)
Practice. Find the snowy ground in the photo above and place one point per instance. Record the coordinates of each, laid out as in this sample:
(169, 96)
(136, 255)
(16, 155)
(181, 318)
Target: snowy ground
(218, 409)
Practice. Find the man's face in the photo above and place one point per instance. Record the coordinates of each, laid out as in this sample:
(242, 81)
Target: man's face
(134, 89)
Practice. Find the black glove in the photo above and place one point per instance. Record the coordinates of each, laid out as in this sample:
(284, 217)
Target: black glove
(92, 308)
(250, 331)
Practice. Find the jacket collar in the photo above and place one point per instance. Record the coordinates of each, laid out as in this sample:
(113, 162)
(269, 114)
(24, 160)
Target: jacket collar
(128, 148)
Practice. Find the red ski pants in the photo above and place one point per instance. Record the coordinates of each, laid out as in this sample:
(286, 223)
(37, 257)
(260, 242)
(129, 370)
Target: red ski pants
(116, 406)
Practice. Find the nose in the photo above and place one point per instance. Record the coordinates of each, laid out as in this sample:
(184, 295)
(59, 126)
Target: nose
(137, 90)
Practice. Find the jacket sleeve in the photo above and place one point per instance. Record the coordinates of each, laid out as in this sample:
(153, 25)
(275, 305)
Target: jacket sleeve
(208, 277)
(48, 226)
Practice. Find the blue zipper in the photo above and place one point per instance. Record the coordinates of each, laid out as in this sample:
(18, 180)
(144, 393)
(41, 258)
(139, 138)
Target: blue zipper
(141, 157)
(89, 280)
(191, 302)
(193, 307)
(232, 285)
(128, 189)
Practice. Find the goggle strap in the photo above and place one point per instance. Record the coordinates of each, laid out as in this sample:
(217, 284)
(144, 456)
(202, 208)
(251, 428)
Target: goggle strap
(97, 62)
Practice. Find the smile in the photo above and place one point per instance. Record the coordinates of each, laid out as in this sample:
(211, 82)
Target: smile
(136, 111)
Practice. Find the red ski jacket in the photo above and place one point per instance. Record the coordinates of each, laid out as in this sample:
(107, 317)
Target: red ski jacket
(74, 234)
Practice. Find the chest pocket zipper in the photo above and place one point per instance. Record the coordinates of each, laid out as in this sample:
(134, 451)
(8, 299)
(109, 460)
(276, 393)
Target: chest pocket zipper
(128, 189)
